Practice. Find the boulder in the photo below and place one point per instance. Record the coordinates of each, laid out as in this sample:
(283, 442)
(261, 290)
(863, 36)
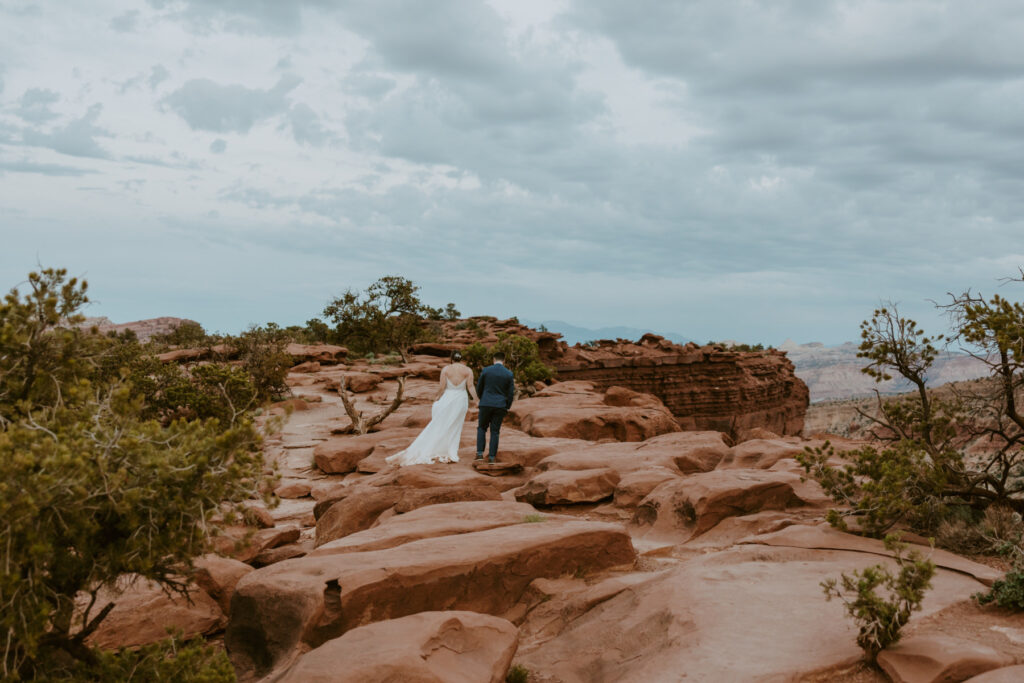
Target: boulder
(565, 487)
(446, 519)
(684, 452)
(578, 412)
(700, 501)
(218, 576)
(143, 613)
(429, 647)
(259, 515)
(282, 553)
(244, 544)
(935, 658)
(341, 455)
(293, 489)
(308, 366)
(638, 484)
(417, 498)
(761, 453)
(322, 353)
(356, 511)
(305, 602)
(361, 382)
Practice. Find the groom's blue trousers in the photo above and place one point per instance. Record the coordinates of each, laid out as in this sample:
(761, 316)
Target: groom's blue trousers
(489, 418)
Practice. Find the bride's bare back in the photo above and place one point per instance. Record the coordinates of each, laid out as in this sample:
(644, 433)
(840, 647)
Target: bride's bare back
(457, 373)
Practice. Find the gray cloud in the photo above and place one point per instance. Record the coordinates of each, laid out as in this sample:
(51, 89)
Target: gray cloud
(126, 22)
(76, 138)
(206, 105)
(218, 146)
(271, 17)
(24, 166)
(34, 106)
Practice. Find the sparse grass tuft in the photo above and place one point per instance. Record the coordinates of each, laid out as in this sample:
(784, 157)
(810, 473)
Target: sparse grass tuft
(534, 517)
(517, 674)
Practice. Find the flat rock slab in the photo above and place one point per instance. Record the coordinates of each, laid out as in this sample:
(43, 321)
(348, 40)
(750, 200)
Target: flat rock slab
(565, 487)
(761, 453)
(432, 521)
(305, 602)
(935, 658)
(1007, 674)
(751, 614)
(497, 469)
(429, 647)
(698, 502)
(827, 538)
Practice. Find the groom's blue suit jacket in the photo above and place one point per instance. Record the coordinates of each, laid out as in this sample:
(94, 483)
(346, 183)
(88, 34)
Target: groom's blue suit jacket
(496, 387)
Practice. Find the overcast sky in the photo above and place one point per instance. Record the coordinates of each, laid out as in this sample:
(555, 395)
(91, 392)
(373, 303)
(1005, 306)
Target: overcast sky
(755, 170)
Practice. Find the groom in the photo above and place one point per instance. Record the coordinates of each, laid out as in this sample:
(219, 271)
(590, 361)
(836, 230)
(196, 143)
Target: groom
(496, 387)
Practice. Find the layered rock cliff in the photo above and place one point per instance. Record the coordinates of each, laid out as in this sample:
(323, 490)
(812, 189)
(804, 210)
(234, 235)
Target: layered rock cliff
(705, 387)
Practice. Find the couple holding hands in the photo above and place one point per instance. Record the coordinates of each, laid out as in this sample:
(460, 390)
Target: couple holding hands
(439, 440)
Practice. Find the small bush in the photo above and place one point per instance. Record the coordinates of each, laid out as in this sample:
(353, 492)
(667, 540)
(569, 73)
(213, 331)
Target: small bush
(533, 518)
(517, 674)
(1007, 592)
(880, 617)
(999, 531)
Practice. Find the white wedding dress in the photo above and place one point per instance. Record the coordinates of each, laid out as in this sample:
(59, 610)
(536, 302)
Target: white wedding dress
(439, 440)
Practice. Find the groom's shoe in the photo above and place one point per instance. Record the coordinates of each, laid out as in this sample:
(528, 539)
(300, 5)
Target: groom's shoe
(479, 456)
(491, 460)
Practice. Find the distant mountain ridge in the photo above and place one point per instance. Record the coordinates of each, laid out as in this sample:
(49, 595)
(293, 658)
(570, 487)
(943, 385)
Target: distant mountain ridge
(573, 334)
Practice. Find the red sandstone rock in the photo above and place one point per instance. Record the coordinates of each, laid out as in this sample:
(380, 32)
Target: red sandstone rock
(143, 613)
(293, 489)
(181, 355)
(1008, 674)
(429, 647)
(310, 600)
(445, 519)
(935, 658)
(685, 452)
(704, 387)
(282, 553)
(217, 576)
(260, 516)
(434, 495)
(734, 615)
(308, 366)
(322, 353)
(564, 487)
(355, 512)
(361, 382)
(698, 502)
(574, 410)
(638, 484)
(760, 453)
(340, 455)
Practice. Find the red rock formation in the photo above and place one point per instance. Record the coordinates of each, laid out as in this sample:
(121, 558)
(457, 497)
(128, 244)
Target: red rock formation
(706, 388)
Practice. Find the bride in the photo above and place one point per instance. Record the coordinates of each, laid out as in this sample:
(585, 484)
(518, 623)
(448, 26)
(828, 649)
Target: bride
(439, 440)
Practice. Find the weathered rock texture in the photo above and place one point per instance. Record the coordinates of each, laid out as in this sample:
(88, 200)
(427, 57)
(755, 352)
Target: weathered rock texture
(706, 388)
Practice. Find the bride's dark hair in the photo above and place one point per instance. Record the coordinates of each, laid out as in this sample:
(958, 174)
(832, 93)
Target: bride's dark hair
(456, 356)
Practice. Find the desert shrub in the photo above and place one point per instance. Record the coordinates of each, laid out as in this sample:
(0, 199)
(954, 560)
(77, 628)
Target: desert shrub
(517, 673)
(534, 518)
(880, 617)
(522, 357)
(998, 531)
(187, 335)
(879, 488)
(262, 351)
(173, 659)
(92, 487)
(1007, 592)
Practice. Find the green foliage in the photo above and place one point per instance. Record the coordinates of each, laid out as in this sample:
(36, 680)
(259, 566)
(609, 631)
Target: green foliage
(1007, 592)
(384, 318)
(517, 674)
(739, 347)
(880, 488)
(880, 617)
(92, 484)
(262, 351)
(187, 335)
(999, 531)
(522, 357)
(173, 659)
(534, 518)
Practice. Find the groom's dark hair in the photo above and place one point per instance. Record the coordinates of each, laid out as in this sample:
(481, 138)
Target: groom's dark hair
(499, 356)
